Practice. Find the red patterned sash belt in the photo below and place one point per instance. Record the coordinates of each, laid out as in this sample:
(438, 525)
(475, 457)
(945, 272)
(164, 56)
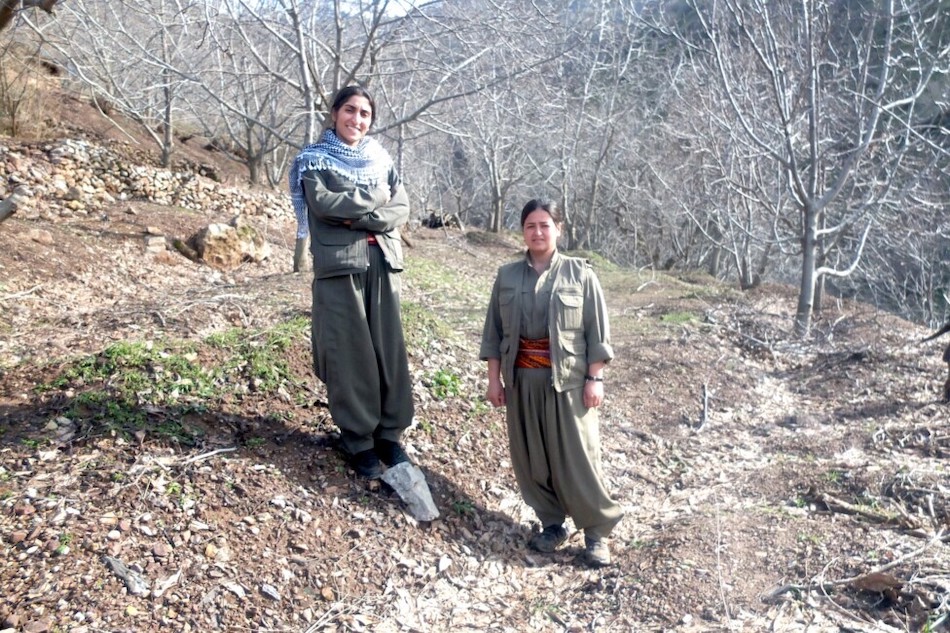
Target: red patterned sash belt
(533, 353)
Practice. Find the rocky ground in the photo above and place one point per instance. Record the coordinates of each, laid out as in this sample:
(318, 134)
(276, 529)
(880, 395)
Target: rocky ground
(770, 484)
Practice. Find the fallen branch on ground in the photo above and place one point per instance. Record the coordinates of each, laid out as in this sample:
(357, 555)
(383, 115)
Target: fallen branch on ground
(867, 580)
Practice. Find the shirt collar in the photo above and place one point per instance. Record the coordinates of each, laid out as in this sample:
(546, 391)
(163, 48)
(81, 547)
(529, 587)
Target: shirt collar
(554, 259)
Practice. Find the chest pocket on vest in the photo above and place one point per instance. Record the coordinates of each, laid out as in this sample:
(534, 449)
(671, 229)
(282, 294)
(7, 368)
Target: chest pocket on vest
(570, 311)
(506, 310)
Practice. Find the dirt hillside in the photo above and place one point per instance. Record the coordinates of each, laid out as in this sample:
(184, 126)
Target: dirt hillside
(769, 484)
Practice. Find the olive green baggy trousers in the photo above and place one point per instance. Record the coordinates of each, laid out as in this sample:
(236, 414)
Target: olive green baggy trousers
(360, 354)
(555, 451)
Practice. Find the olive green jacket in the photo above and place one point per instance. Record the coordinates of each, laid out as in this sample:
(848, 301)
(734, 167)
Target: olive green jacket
(577, 321)
(341, 216)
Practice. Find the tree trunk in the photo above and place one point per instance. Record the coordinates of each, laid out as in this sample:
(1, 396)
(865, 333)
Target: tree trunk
(497, 219)
(821, 259)
(254, 166)
(497, 212)
(806, 293)
(167, 133)
(714, 263)
(746, 277)
(819, 294)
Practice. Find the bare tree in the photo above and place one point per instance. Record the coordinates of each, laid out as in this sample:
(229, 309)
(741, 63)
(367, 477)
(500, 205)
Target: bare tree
(134, 57)
(236, 100)
(907, 262)
(600, 48)
(816, 88)
(468, 85)
(732, 199)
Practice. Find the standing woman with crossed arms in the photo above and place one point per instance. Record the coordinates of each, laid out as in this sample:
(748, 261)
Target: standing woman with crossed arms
(355, 204)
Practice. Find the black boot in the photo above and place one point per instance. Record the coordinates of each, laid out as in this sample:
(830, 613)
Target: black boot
(366, 464)
(390, 453)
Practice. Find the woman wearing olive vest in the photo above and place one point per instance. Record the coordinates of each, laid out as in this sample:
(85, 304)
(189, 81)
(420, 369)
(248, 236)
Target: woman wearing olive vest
(355, 203)
(547, 341)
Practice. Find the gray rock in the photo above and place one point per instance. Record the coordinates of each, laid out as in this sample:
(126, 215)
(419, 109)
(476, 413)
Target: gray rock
(134, 581)
(410, 484)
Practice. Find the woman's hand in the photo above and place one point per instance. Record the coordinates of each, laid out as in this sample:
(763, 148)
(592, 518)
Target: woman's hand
(594, 385)
(496, 388)
(593, 394)
(384, 194)
(496, 393)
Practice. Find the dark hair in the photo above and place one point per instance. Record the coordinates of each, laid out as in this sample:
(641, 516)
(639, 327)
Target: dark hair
(545, 205)
(348, 91)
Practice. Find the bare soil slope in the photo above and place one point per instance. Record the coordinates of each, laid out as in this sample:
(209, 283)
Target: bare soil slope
(769, 484)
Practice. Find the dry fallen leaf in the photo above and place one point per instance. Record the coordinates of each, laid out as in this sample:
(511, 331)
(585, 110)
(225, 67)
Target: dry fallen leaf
(877, 582)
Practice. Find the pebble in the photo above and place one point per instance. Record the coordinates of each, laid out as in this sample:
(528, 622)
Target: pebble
(161, 550)
(270, 591)
(38, 626)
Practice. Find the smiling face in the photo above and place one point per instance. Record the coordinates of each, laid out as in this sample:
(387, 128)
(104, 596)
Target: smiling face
(541, 233)
(351, 120)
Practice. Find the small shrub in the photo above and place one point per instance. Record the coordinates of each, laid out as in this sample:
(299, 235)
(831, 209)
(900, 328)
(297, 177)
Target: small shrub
(463, 507)
(444, 384)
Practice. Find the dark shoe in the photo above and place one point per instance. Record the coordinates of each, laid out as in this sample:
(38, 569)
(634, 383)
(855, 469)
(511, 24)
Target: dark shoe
(366, 464)
(391, 453)
(548, 539)
(596, 551)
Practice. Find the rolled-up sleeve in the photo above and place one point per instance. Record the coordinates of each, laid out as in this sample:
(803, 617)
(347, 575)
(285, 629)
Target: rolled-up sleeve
(596, 323)
(491, 332)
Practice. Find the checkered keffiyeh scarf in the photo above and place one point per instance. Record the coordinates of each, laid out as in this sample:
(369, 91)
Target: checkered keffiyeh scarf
(367, 164)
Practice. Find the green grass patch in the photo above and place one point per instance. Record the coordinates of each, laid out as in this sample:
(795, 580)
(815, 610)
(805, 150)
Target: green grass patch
(155, 385)
(158, 373)
(678, 318)
(834, 476)
(65, 540)
(260, 356)
(806, 537)
(480, 407)
(430, 276)
(115, 412)
(449, 283)
(601, 265)
(421, 326)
